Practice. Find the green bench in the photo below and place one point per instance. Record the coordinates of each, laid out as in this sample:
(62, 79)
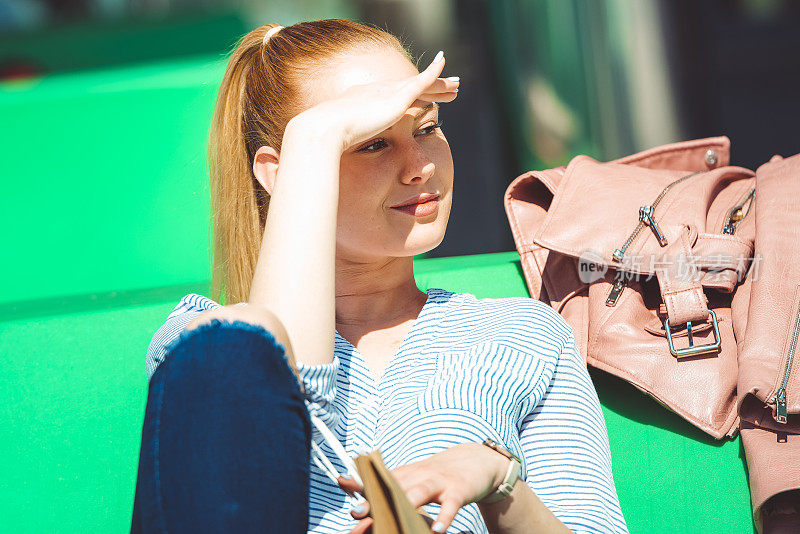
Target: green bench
(105, 208)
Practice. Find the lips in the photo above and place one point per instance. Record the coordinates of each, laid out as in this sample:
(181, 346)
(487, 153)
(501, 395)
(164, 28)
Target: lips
(419, 206)
(417, 199)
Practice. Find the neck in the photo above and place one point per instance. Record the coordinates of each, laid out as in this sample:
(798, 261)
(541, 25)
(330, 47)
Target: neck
(376, 292)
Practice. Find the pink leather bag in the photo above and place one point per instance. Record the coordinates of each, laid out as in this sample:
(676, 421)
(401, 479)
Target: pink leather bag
(641, 256)
(681, 275)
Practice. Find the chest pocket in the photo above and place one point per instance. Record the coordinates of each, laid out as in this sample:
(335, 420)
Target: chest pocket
(490, 380)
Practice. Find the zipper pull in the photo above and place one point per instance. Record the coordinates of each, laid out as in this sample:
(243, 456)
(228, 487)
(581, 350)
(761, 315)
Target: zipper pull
(618, 254)
(616, 291)
(646, 216)
(737, 213)
(780, 400)
(733, 221)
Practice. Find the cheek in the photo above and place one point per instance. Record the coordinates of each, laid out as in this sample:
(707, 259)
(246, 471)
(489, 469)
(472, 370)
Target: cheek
(443, 159)
(362, 194)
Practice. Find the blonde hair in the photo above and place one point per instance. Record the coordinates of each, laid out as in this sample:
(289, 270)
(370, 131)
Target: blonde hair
(259, 93)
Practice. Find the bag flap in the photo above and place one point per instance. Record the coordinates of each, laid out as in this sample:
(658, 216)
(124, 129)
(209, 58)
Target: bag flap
(596, 210)
(528, 197)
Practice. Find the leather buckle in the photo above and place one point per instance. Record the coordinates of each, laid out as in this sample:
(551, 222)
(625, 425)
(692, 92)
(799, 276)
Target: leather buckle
(693, 349)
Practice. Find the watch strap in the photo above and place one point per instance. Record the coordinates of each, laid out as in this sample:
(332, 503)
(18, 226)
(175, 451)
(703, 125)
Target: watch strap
(512, 474)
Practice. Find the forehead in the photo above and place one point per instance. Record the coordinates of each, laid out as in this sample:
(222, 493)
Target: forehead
(357, 68)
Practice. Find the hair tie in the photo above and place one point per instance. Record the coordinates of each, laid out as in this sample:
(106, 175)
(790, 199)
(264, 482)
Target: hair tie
(272, 31)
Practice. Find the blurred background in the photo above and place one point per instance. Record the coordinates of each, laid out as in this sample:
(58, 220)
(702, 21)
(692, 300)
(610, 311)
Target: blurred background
(105, 104)
(104, 198)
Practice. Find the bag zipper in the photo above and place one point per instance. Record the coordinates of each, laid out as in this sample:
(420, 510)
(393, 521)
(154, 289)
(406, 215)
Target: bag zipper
(616, 291)
(737, 213)
(779, 398)
(646, 218)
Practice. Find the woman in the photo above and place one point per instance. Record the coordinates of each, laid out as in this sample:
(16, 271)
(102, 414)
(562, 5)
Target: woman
(329, 171)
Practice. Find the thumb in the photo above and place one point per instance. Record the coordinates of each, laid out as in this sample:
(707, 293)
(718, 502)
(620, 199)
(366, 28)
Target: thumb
(350, 485)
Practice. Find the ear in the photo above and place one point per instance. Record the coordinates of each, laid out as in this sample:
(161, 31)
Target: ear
(265, 167)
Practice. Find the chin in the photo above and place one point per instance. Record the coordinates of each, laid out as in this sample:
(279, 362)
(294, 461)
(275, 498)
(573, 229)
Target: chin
(423, 241)
(396, 242)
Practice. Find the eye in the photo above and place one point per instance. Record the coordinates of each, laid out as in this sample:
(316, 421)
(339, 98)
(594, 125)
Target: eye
(428, 130)
(374, 146)
(379, 144)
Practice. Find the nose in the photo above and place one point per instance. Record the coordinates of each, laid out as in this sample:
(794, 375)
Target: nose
(418, 167)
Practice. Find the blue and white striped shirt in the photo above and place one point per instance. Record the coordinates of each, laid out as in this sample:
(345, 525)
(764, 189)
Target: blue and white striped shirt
(469, 369)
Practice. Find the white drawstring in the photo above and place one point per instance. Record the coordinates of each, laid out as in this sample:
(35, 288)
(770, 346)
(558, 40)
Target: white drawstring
(338, 448)
(324, 463)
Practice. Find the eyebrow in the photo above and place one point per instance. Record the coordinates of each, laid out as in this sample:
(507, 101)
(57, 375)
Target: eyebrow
(429, 106)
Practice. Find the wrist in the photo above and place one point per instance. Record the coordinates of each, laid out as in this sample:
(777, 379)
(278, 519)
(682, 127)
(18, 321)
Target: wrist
(501, 468)
(497, 506)
(310, 127)
(507, 470)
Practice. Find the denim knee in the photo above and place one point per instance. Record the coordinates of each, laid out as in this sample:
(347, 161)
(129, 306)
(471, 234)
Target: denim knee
(220, 343)
(226, 356)
(226, 438)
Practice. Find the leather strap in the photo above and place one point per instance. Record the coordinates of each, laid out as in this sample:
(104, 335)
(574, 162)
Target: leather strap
(679, 281)
(507, 486)
(723, 260)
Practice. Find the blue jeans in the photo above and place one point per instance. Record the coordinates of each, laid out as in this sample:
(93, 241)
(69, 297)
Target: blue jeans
(225, 439)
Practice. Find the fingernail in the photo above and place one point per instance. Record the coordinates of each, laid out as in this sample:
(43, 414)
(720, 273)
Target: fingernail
(453, 79)
(438, 527)
(346, 476)
(438, 57)
(359, 509)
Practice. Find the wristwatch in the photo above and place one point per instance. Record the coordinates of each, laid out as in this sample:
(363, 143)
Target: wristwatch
(507, 486)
